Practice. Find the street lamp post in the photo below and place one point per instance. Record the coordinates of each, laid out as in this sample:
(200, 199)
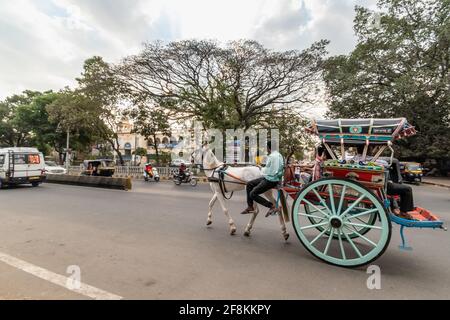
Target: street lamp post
(67, 149)
(135, 147)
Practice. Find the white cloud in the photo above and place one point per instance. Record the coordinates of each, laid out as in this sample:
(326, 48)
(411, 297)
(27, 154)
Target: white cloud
(43, 43)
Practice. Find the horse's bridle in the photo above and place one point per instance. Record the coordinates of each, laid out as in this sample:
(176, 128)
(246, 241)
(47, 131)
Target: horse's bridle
(201, 164)
(221, 175)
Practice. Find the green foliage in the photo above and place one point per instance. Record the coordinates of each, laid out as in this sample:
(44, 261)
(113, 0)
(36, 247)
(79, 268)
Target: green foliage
(399, 68)
(293, 137)
(140, 152)
(27, 122)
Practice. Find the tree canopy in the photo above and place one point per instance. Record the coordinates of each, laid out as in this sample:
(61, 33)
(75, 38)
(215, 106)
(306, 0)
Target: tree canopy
(232, 86)
(399, 68)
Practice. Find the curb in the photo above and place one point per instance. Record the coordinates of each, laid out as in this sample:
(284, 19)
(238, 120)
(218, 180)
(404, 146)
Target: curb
(437, 184)
(91, 181)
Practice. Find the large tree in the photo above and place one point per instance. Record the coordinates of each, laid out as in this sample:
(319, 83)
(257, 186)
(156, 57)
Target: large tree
(99, 86)
(14, 132)
(74, 114)
(399, 68)
(232, 86)
(93, 106)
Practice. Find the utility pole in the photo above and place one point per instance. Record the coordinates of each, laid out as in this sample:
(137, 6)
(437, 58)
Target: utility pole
(67, 150)
(135, 147)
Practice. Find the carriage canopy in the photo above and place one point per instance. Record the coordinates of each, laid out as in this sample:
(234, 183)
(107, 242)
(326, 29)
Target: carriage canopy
(358, 131)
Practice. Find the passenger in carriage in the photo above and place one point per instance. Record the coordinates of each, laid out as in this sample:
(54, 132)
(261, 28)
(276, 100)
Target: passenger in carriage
(393, 188)
(311, 172)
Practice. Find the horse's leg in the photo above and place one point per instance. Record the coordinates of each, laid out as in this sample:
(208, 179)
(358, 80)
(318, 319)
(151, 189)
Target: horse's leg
(249, 226)
(269, 195)
(225, 211)
(211, 205)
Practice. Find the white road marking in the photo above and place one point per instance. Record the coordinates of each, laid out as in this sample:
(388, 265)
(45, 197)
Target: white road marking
(57, 279)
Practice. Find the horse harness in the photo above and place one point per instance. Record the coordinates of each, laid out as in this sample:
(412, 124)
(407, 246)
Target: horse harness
(220, 179)
(221, 172)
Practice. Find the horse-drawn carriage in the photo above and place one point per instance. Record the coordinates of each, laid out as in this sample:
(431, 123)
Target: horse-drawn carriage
(344, 217)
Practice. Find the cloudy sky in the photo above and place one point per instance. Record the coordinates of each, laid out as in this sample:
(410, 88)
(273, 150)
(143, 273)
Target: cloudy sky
(43, 43)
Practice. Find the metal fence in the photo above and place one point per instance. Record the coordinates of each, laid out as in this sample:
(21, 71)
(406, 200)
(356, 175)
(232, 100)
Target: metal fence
(131, 171)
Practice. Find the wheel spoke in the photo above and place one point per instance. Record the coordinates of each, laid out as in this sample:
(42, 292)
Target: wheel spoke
(330, 192)
(352, 244)
(363, 237)
(310, 216)
(353, 205)
(321, 211)
(330, 237)
(314, 225)
(363, 225)
(349, 216)
(341, 245)
(322, 201)
(320, 235)
(341, 200)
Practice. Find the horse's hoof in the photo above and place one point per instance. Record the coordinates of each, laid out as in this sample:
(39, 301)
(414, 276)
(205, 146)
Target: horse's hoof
(233, 231)
(208, 223)
(286, 236)
(247, 233)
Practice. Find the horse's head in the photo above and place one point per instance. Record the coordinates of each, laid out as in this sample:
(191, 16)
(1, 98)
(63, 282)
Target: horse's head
(197, 156)
(205, 157)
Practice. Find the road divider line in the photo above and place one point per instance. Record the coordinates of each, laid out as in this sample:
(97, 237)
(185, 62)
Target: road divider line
(82, 288)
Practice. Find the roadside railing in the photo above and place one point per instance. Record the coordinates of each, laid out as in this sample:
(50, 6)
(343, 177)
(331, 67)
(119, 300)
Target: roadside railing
(130, 171)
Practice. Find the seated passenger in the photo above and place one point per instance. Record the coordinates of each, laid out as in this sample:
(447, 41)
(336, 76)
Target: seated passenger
(393, 189)
(321, 156)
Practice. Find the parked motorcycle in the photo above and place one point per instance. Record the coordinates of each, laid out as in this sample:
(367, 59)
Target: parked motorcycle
(188, 178)
(151, 173)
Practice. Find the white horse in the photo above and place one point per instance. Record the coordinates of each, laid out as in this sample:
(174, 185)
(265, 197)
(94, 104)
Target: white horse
(235, 179)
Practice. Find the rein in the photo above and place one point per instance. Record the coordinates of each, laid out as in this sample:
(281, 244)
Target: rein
(221, 178)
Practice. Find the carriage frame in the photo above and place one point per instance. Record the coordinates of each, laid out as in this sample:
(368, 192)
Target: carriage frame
(345, 218)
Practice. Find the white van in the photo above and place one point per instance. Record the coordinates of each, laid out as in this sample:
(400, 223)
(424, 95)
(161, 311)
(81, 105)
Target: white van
(21, 166)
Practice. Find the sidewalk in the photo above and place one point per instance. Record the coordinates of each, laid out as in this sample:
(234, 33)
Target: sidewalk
(437, 181)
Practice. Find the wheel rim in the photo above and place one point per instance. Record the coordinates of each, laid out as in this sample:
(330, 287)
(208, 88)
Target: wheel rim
(327, 230)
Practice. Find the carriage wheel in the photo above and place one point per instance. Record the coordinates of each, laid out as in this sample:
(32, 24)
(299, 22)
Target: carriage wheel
(334, 209)
(368, 219)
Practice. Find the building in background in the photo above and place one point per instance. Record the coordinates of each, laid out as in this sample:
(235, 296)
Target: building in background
(129, 142)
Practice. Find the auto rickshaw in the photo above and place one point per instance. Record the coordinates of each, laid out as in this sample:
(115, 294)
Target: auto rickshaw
(99, 167)
(411, 172)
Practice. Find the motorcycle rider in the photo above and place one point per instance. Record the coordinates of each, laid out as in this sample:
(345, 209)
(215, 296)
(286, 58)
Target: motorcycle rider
(182, 172)
(149, 170)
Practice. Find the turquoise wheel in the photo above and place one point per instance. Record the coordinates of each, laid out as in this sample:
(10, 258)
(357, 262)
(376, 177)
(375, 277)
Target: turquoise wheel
(368, 219)
(328, 227)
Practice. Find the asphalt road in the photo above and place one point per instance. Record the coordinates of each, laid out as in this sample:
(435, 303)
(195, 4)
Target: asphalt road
(152, 243)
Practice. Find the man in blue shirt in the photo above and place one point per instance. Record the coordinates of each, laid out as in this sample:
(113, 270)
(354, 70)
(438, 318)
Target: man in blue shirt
(272, 175)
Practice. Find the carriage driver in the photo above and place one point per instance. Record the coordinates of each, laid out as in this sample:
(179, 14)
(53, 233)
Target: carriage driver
(272, 175)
